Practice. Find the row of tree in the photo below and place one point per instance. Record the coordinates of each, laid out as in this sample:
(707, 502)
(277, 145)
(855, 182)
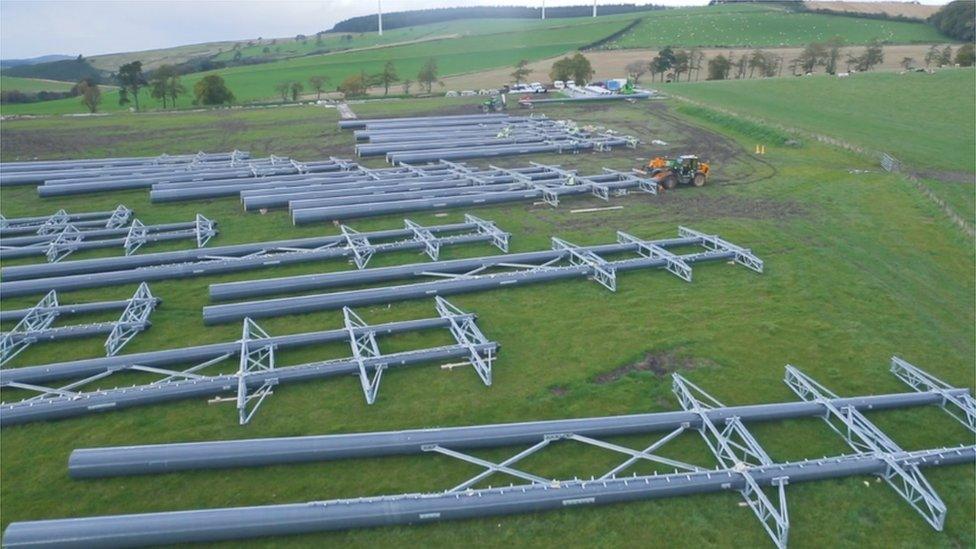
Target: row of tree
(163, 85)
(670, 64)
(576, 68)
(358, 84)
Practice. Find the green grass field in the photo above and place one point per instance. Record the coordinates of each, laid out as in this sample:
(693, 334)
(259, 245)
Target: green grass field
(476, 45)
(925, 120)
(32, 85)
(336, 42)
(853, 275)
(466, 54)
(763, 27)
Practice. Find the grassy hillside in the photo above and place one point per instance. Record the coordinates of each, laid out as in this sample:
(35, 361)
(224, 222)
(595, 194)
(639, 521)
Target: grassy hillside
(853, 276)
(335, 42)
(924, 119)
(153, 58)
(32, 85)
(454, 56)
(67, 70)
(763, 26)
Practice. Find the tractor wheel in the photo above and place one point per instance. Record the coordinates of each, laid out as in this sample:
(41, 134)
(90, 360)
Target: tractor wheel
(669, 182)
(699, 180)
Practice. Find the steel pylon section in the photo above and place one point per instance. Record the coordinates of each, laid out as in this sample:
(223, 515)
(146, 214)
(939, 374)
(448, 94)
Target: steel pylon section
(742, 256)
(40, 317)
(603, 270)
(467, 333)
(960, 407)
(66, 242)
(736, 449)
(357, 243)
(56, 223)
(119, 217)
(432, 245)
(136, 237)
(365, 350)
(863, 436)
(204, 230)
(134, 319)
(646, 248)
(253, 358)
(499, 238)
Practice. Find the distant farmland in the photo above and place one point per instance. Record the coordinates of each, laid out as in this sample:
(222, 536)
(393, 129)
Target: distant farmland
(32, 85)
(481, 45)
(339, 42)
(467, 54)
(923, 119)
(903, 114)
(762, 26)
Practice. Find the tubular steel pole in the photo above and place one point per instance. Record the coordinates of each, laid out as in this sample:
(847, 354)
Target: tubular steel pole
(274, 520)
(47, 373)
(90, 266)
(165, 458)
(141, 395)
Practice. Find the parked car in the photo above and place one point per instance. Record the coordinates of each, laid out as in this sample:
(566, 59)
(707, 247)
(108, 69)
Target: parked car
(559, 85)
(537, 87)
(451, 93)
(468, 93)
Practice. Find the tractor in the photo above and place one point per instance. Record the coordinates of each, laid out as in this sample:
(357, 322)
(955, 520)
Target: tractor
(495, 104)
(686, 169)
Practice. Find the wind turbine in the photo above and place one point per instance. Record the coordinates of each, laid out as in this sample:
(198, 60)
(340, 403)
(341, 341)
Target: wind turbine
(543, 9)
(594, 8)
(379, 14)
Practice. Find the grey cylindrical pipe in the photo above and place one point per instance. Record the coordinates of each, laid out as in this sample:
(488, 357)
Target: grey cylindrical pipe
(167, 458)
(96, 185)
(181, 527)
(375, 275)
(12, 315)
(29, 251)
(378, 149)
(363, 122)
(141, 395)
(79, 331)
(46, 373)
(217, 314)
(313, 215)
(85, 266)
(465, 188)
(280, 197)
(97, 233)
(168, 272)
(266, 308)
(607, 97)
(491, 152)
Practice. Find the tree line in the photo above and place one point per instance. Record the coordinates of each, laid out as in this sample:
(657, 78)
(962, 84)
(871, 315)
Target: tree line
(163, 84)
(358, 84)
(671, 64)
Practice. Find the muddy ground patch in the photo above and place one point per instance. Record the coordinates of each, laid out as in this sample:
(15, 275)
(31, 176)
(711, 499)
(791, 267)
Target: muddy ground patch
(659, 363)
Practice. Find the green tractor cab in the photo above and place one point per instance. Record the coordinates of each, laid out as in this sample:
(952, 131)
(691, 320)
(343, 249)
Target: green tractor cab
(495, 104)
